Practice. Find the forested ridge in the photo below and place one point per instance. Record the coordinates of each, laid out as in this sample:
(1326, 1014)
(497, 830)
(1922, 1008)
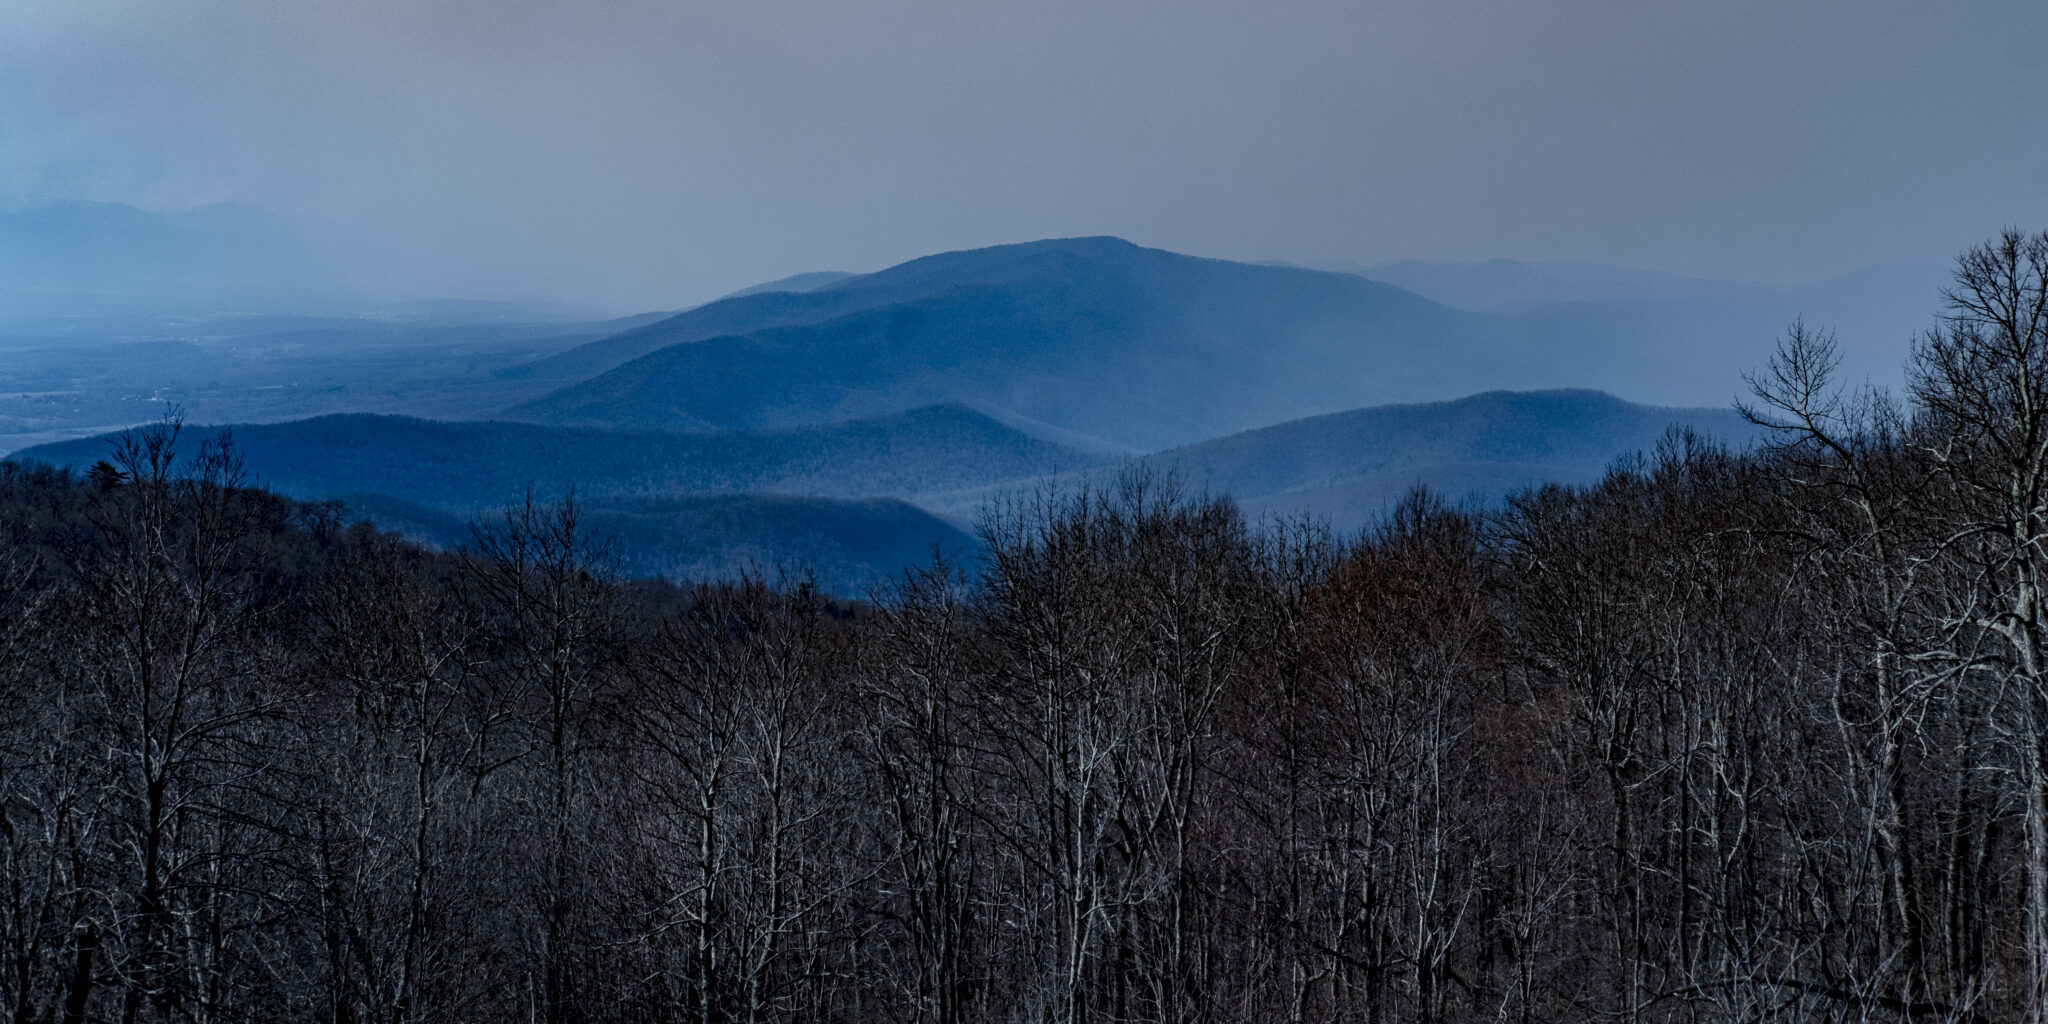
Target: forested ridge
(1728, 736)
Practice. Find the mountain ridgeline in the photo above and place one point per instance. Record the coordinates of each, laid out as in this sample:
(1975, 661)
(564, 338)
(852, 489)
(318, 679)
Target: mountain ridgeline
(1352, 468)
(1134, 349)
(857, 501)
(942, 383)
(469, 467)
(704, 506)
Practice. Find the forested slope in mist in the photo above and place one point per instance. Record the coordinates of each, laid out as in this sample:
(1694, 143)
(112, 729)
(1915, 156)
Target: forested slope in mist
(841, 546)
(1719, 737)
(1349, 469)
(474, 466)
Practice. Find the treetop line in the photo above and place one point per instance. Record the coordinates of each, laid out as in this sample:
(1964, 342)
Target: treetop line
(1728, 736)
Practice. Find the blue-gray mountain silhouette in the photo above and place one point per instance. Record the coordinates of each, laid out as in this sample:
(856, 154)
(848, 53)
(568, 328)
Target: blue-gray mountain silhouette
(466, 467)
(1350, 468)
(1136, 348)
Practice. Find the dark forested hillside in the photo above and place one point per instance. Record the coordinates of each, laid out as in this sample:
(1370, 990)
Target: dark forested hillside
(466, 467)
(428, 478)
(692, 507)
(1719, 737)
(844, 547)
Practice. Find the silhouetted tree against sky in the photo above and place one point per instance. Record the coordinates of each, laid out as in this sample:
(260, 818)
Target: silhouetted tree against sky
(1981, 377)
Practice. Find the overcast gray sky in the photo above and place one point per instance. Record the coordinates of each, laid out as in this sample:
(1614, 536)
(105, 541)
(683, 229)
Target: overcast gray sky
(636, 155)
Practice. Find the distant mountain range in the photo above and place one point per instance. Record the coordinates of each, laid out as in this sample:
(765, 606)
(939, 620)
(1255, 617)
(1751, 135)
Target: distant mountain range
(1137, 348)
(853, 498)
(686, 506)
(1349, 468)
(1098, 340)
(845, 420)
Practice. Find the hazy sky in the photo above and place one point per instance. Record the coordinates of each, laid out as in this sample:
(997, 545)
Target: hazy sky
(648, 154)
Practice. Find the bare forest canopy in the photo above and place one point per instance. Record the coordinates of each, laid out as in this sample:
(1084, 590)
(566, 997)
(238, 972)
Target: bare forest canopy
(1724, 736)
